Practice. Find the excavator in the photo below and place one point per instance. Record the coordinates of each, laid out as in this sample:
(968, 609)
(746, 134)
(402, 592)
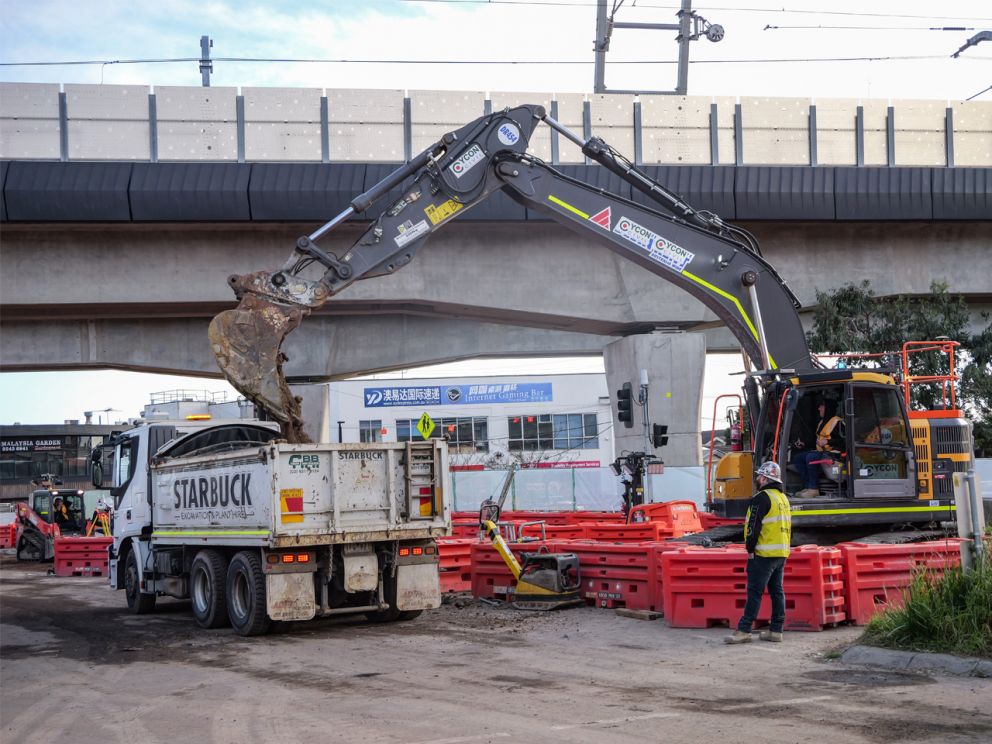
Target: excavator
(893, 465)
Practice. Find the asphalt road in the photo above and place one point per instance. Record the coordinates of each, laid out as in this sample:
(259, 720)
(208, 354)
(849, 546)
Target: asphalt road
(76, 667)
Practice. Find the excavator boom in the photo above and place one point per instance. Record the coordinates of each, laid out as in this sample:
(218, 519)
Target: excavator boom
(717, 263)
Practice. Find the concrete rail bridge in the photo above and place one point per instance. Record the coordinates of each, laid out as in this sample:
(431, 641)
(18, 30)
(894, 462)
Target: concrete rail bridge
(125, 209)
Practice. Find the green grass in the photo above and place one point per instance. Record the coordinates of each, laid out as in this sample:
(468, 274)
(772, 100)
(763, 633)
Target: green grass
(950, 615)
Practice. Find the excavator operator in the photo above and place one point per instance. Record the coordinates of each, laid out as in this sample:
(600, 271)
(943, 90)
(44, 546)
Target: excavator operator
(829, 445)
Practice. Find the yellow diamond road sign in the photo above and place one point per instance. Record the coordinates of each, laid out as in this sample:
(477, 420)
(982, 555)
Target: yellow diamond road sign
(425, 426)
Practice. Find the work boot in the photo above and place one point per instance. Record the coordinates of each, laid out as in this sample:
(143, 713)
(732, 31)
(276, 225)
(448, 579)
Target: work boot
(808, 493)
(770, 635)
(738, 636)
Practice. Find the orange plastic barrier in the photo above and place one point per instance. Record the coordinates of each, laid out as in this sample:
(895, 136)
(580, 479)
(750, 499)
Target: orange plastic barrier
(681, 516)
(876, 576)
(708, 520)
(548, 517)
(8, 535)
(705, 587)
(82, 556)
(643, 532)
(465, 527)
(455, 563)
(556, 531)
(614, 574)
(582, 517)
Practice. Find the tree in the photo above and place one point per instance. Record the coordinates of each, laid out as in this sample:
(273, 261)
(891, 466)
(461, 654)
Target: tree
(853, 319)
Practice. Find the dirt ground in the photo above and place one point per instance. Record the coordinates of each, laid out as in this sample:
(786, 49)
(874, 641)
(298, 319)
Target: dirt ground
(75, 666)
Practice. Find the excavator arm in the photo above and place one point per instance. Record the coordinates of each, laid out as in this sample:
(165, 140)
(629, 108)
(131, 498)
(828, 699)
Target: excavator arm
(717, 263)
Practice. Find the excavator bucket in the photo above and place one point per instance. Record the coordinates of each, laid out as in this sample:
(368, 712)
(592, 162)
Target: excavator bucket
(247, 343)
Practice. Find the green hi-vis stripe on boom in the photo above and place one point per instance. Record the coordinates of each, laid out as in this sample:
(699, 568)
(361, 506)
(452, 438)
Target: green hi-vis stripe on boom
(883, 510)
(686, 274)
(569, 207)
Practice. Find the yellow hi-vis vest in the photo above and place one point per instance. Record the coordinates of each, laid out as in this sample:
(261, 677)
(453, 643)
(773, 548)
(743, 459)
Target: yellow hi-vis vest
(776, 527)
(825, 431)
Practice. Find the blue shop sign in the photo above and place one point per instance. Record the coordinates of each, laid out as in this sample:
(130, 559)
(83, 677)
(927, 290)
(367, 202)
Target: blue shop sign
(458, 395)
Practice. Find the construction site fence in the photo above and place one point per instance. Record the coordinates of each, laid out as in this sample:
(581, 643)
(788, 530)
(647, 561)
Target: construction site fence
(571, 489)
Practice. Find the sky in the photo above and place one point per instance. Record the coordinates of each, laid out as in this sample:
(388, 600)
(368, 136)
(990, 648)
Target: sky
(527, 45)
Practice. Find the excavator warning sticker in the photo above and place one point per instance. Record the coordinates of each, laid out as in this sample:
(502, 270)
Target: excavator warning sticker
(602, 218)
(410, 232)
(663, 251)
(439, 212)
(467, 161)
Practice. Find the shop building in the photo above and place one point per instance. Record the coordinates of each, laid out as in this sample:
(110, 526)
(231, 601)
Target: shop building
(540, 421)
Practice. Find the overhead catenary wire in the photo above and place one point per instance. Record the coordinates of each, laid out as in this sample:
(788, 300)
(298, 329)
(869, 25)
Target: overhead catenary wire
(304, 60)
(770, 27)
(653, 6)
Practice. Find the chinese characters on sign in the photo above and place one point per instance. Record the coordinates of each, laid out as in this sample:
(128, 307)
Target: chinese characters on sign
(454, 395)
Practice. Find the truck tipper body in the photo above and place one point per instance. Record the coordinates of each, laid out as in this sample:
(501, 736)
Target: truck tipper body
(253, 529)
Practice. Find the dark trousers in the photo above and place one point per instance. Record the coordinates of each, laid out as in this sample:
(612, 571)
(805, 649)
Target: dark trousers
(807, 471)
(761, 573)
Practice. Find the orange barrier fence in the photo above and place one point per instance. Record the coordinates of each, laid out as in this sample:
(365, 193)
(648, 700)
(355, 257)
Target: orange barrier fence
(876, 576)
(455, 563)
(706, 587)
(82, 556)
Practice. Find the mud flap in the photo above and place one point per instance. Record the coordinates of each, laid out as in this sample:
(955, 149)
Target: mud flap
(361, 570)
(418, 587)
(290, 596)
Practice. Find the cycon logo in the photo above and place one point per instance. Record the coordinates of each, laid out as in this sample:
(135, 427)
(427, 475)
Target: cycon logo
(304, 463)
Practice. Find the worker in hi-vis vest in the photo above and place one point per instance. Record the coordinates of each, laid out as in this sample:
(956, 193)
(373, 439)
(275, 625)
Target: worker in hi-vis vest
(767, 536)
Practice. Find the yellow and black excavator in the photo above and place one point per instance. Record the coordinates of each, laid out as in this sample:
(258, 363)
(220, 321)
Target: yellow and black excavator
(545, 580)
(893, 463)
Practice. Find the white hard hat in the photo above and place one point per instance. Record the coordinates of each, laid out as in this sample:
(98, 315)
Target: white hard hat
(771, 471)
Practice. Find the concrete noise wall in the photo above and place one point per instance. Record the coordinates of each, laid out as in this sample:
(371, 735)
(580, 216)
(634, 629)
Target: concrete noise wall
(135, 122)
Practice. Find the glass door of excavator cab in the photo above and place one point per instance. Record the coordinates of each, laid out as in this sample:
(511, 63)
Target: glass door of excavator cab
(812, 431)
(880, 440)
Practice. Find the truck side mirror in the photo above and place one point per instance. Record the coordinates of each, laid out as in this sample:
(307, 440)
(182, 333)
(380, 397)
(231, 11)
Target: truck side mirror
(96, 458)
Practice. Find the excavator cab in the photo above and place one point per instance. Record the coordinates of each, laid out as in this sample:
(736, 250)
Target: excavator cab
(884, 461)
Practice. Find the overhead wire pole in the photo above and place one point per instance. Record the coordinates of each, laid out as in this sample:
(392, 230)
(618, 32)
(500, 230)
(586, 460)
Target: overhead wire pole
(690, 27)
(206, 66)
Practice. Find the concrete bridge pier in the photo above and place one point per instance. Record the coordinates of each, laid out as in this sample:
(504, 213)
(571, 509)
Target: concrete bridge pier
(675, 364)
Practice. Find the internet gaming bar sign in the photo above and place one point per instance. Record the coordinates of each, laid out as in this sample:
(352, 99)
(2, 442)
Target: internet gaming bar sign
(458, 395)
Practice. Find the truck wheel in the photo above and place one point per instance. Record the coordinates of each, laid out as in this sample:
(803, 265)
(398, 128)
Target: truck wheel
(208, 589)
(246, 594)
(137, 602)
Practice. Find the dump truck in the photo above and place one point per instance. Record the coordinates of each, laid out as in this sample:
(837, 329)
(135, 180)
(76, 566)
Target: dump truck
(253, 529)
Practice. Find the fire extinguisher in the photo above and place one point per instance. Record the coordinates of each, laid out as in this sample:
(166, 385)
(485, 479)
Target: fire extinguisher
(735, 437)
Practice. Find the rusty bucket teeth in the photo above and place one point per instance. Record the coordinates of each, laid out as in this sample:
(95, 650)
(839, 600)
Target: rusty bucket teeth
(247, 343)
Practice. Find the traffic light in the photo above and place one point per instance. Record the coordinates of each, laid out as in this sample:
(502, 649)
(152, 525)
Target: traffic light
(625, 405)
(659, 435)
